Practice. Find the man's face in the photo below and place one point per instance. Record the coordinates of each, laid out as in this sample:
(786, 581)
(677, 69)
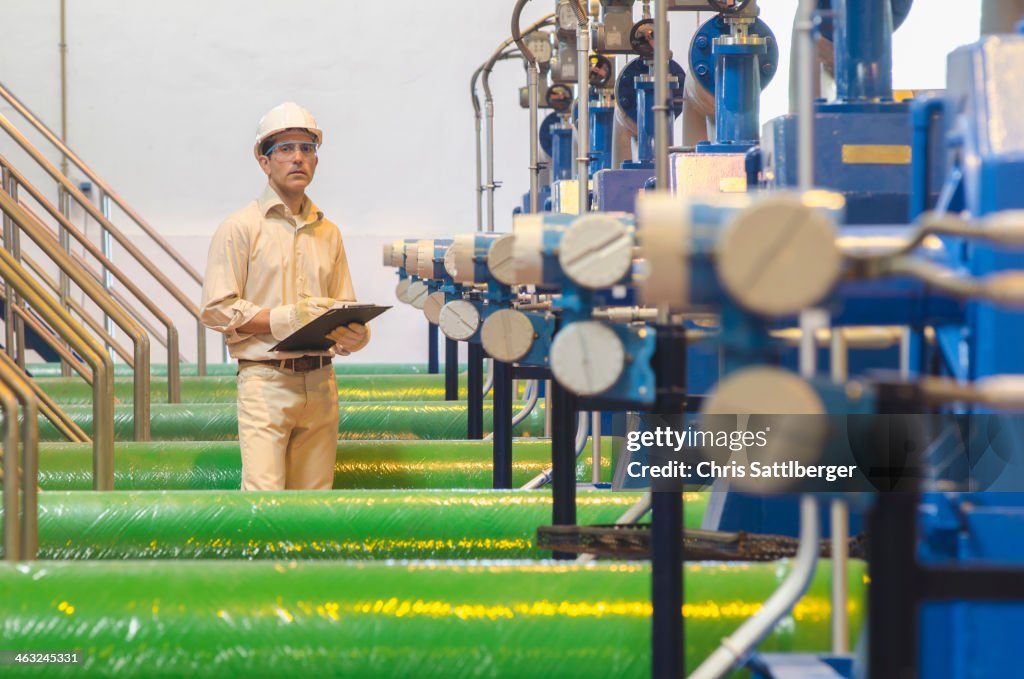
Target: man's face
(288, 169)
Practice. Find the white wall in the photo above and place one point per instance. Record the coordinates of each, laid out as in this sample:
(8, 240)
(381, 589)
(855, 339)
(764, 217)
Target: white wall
(163, 99)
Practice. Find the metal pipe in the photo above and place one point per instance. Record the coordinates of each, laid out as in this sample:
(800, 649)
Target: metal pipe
(736, 646)
(95, 292)
(489, 113)
(803, 29)
(476, 117)
(583, 106)
(109, 268)
(65, 283)
(533, 94)
(840, 519)
(661, 108)
(595, 446)
(86, 347)
(9, 302)
(12, 494)
(63, 48)
(71, 191)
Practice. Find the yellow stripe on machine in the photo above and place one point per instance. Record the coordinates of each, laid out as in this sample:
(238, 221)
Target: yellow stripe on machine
(876, 154)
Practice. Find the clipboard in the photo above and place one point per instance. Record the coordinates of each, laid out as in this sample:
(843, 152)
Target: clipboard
(311, 337)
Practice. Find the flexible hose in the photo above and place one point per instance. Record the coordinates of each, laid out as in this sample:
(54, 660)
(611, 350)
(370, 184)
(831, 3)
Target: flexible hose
(582, 433)
(531, 393)
(740, 643)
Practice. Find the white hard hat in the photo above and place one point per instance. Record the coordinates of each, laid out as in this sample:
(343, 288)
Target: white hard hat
(286, 116)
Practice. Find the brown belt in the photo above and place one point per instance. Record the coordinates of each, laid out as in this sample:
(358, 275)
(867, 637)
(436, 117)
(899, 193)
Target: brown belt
(302, 364)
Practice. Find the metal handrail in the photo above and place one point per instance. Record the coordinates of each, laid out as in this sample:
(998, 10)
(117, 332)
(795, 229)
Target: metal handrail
(91, 352)
(95, 292)
(102, 185)
(47, 406)
(79, 310)
(12, 494)
(173, 353)
(20, 389)
(45, 331)
(71, 191)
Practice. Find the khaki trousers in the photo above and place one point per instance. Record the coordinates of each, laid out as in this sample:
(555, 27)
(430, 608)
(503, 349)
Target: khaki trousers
(287, 427)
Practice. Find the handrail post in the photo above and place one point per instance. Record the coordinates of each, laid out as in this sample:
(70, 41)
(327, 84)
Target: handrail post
(107, 248)
(12, 525)
(11, 378)
(64, 205)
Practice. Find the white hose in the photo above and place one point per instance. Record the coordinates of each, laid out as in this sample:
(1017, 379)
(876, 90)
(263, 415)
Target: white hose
(735, 648)
(531, 393)
(582, 432)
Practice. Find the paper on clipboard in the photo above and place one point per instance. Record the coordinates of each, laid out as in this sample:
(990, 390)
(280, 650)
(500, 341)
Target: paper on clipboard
(312, 336)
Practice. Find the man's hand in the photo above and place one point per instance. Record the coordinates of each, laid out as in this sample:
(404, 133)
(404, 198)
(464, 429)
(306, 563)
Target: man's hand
(286, 319)
(350, 338)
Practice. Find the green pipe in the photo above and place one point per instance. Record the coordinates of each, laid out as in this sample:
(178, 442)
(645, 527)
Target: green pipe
(373, 619)
(371, 524)
(217, 465)
(74, 391)
(46, 370)
(368, 420)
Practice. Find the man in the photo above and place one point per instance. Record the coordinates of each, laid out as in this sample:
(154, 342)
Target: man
(273, 266)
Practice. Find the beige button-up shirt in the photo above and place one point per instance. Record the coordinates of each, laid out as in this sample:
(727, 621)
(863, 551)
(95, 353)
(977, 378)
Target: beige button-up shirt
(265, 256)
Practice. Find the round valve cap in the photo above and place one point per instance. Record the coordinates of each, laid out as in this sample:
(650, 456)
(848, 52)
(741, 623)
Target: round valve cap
(397, 253)
(587, 358)
(779, 257)
(461, 258)
(507, 335)
(417, 294)
(596, 251)
(425, 259)
(459, 320)
(779, 405)
(500, 259)
(389, 249)
(449, 260)
(402, 290)
(432, 306)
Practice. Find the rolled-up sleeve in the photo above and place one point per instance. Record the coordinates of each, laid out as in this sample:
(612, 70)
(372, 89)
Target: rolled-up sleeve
(223, 308)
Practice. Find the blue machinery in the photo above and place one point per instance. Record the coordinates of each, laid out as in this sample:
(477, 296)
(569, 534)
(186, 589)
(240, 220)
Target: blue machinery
(717, 296)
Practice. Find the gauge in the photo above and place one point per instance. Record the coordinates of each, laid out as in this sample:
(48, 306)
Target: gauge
(641, 38)
(560, 98)
(417, 294)
(600, 70)
(501, 260)
(566, 17)
(507, 335)
(596, 251)
(540, 44)
(587, 358)
(433, 305)
(459, 320)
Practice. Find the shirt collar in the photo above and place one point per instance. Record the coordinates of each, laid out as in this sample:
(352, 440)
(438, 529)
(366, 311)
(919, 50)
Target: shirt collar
(269, 200)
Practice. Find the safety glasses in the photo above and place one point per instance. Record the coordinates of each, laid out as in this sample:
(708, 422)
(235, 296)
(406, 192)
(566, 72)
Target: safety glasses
(288, 149)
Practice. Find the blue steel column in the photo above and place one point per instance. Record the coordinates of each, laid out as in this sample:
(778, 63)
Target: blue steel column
(561, 153)
(475, 398)
(433, 366)
(502, 409)
(602, 121)
(667, 630)
(863, 49)
(451, 370)
(738, 87)
(563, 459)
(645, 121)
